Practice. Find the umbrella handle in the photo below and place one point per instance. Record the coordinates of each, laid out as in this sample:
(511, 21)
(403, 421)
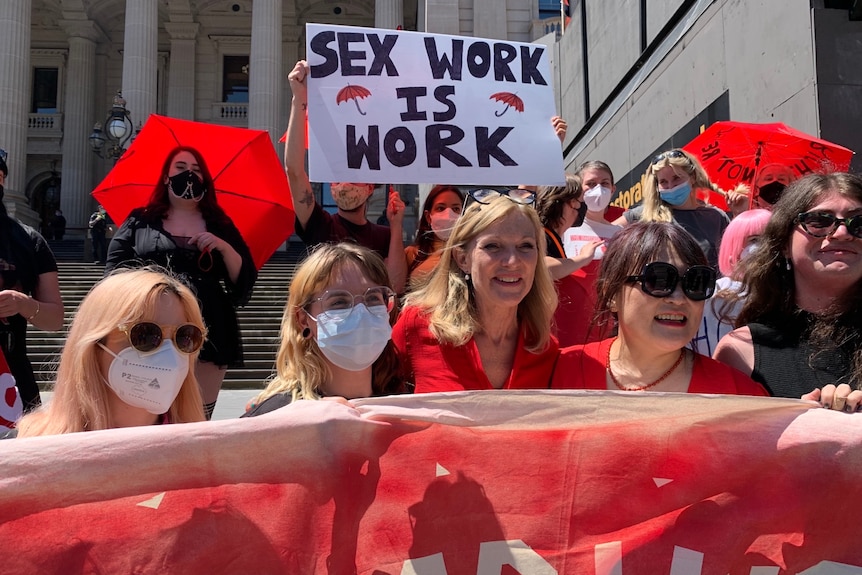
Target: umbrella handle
(356, 101)
(498, 114)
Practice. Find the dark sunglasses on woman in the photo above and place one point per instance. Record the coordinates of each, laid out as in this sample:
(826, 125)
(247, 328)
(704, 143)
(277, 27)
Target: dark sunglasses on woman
(822, 224)
(667, 155)
(147, 336)
(659, 279)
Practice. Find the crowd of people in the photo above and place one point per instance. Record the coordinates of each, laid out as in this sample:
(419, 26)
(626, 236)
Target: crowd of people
(504, 288)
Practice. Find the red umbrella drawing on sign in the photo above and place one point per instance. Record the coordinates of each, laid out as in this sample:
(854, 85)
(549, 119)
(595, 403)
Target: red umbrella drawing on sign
(511, 100)
(352, 93)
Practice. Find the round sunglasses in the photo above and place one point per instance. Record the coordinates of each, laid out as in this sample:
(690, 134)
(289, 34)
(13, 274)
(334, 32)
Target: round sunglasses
(147, 336)
(659, 279)
(822, 224)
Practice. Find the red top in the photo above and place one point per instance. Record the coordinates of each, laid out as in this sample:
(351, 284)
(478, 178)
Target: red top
(434, 366)
(583, 367)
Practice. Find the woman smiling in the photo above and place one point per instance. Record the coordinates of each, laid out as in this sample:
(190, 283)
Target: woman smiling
(483, 321)
(654, 280)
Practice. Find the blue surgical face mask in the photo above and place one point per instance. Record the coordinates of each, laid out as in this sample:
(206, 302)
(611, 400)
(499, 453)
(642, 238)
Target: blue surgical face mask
(677, 195)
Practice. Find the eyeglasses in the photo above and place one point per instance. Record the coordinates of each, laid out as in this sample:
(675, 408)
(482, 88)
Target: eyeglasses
(337, 300)
(659, 279)
(517, 195)
(822, 224)
(668, 154)
(147, 336)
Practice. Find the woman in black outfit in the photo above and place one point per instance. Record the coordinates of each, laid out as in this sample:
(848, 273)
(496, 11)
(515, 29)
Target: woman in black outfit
(183, 229)
(801, 325)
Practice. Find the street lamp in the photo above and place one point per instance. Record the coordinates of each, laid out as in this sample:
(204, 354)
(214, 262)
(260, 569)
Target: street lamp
(119, 131)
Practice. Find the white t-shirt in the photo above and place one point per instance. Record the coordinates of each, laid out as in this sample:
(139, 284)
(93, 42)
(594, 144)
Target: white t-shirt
(713, 326)
(576, 238)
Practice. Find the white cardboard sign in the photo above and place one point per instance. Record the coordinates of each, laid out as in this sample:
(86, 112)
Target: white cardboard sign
(408, 107)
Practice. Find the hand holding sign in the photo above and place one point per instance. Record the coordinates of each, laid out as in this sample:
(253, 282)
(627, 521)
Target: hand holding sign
(298, 83)
(395, 207)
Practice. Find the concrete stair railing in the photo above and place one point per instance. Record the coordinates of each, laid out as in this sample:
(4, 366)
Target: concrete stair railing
(259, 321)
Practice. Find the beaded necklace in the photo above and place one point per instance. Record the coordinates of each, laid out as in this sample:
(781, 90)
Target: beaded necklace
(647, 386)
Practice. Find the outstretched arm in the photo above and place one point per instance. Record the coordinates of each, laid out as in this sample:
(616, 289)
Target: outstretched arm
(294, 149)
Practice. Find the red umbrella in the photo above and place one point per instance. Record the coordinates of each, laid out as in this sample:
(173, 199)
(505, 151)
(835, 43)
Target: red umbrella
(249, 179)
(350, 92)
(511, 100)
(733, 152)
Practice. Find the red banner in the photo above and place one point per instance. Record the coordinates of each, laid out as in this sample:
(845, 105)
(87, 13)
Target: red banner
(535, 483)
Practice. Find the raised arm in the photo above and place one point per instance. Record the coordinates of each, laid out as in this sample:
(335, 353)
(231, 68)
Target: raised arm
(294, 148)
(396, 262)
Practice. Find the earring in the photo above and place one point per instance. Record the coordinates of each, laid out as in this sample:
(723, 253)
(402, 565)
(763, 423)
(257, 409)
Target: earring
(787, 264)
(306, 332)
(466, 277)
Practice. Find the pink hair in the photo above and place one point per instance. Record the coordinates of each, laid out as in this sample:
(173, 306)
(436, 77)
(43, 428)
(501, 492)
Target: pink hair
(748, 223)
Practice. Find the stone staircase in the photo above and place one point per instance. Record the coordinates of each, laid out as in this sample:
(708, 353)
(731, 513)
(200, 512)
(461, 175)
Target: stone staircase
(259, 320)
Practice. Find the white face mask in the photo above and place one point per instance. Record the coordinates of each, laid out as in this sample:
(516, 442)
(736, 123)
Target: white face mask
(353, 338)
(149, 381)
(597, 198)
(747, 251)
(443, 222)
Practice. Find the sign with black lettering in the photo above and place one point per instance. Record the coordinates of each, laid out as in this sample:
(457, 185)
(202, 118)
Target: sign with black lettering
(409, 107)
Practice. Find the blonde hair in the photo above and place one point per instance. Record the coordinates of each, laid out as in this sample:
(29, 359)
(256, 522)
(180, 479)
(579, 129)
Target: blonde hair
(81, 395)
(301, 368)
(447, 298)
(654, 209)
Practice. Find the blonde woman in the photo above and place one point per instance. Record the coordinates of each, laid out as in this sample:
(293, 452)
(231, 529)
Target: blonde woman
(483, 320)
(135, 328)
(670, 187)
(335, 332)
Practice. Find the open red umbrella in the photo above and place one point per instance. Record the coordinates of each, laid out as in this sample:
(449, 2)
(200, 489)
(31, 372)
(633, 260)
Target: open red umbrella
(249, 179)
(511, 100)
(733, 152)
(352, 92)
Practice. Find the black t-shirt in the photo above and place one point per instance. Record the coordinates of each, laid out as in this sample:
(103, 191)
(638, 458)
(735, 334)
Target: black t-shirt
(323, 227)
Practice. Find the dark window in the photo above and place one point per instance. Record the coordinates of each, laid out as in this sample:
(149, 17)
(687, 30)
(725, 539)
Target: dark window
(235, 79)
(44, 91)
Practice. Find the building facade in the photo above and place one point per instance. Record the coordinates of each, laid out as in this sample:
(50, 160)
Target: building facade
(217, 61)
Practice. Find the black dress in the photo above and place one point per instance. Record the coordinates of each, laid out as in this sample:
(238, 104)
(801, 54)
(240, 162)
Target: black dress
(143, 241)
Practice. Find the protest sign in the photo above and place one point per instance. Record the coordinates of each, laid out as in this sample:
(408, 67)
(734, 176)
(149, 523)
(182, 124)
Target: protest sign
(408, 107)
(489, 482)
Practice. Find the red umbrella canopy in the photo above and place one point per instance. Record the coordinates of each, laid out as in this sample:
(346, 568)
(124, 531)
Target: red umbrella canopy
(251, 186)
(732, 152)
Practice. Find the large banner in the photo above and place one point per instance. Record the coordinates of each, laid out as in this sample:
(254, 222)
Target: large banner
(408, 108)
(477, 483)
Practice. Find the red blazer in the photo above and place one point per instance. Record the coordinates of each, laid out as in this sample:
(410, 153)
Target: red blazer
(433, 366)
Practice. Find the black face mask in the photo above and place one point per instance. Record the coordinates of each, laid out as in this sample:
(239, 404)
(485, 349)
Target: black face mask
(582, 213)
(770, 192)
(187, 185)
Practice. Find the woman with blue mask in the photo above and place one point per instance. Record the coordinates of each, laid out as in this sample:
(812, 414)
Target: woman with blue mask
(128, 360)
(670, 187)
(335, 332)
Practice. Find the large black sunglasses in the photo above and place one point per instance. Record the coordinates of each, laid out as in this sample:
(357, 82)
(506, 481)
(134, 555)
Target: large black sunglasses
(659, 279)
(822, 224)
(485, 195)
(669, 154)
(147, 336)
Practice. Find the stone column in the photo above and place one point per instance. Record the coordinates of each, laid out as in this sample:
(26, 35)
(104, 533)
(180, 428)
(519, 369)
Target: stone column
(181, 76)
(265, 68)
(139, 58)
(489, 19)
(78, 119)
(388, 13)
(441, 17)
(15, 95)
